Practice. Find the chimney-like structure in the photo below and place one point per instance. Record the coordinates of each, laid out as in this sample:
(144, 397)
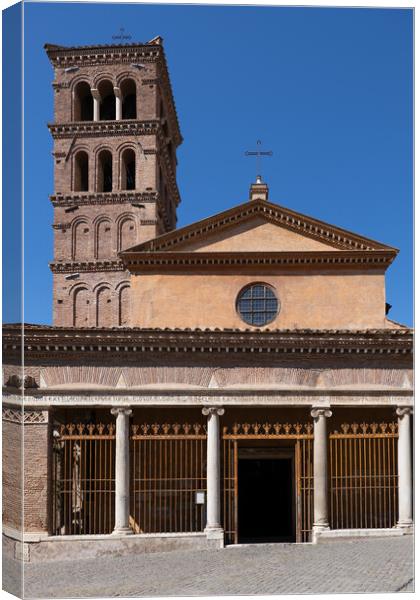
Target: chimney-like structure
(258, 190)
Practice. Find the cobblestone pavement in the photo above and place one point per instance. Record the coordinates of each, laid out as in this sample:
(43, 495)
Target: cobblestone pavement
(364, 565)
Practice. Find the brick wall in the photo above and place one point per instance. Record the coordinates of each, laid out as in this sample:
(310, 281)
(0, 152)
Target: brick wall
(94, 225)
(12, 474)
(36, 470)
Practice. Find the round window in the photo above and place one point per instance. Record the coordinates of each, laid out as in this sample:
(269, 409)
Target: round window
(257, 304)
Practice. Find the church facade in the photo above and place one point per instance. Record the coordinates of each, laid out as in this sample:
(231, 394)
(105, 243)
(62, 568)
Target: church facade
(235, 380)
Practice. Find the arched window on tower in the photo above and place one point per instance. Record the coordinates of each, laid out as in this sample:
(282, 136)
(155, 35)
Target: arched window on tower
(81, 172)
(103, 238)
(128, 170)
(104, 171)
(80, 239)
(107, 107)
(127, 234)
(83, 102)
(128, 93)
(124, 306)
(81, 307)
(104, 307)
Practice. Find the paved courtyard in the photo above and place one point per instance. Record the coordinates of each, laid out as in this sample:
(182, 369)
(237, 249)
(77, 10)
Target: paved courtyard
(364, 565)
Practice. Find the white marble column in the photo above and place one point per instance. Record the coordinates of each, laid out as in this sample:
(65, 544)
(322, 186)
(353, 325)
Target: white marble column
(320, 470)
(96, 103)
(118, 104)
(213, 525)
(405, 502)
(122, 470)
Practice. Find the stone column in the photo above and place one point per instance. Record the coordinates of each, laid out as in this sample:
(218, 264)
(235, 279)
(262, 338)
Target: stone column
(320, 470)
(122, 470)
(405, 502)
(96, 103)
(118, 104)
(213, 525)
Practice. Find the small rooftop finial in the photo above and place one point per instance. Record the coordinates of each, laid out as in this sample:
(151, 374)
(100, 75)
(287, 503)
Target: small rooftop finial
(258, 190)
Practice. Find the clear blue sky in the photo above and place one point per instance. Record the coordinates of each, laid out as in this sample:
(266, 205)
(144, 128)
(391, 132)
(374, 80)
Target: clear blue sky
(328, 90)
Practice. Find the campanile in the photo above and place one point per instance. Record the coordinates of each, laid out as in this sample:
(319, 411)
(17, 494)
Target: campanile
(115, 135)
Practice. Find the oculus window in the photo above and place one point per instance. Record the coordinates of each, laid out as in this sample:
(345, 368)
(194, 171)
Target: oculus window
(257, 304)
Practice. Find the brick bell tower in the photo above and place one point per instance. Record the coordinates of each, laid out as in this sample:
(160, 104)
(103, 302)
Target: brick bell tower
(115, 136)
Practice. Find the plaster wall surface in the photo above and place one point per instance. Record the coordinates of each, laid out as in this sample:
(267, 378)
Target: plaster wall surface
(307, 300)
(256, 235)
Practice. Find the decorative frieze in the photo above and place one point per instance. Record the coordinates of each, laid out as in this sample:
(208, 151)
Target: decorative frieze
(25, 417)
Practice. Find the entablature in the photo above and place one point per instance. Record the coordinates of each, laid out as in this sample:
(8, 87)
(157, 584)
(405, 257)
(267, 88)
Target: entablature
(72, 343)
(373, 259)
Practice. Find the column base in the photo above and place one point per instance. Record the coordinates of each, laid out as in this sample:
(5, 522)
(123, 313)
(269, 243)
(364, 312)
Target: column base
(407, 527)
(215, 533)
(318, 529)
(122, 531)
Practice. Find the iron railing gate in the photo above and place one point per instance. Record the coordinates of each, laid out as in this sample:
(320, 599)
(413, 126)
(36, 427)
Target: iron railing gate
(168, 471)
(83, 473)
(364, 476)
(301, 439)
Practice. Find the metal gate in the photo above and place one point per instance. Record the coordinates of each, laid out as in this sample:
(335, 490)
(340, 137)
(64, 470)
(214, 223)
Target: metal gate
(300, 437)
(168, 478)
(364, 476)
(83, 479)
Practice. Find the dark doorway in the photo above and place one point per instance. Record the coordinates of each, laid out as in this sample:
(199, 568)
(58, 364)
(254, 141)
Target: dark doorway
(265, 499)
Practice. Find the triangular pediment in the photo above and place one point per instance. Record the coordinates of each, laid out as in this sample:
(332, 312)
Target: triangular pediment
(258, 226)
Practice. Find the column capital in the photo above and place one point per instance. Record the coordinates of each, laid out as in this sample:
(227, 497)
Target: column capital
(117, 92)
(402, 411)
(317, 412)
(213, 410)
(121, 410)
(95, 93)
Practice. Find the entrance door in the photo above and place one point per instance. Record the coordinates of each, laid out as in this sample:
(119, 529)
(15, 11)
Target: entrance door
(265, 496)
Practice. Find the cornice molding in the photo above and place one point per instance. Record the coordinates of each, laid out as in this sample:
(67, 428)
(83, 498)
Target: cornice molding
(284, 217)
(87, 266)
(62, 56)
(99, 128)
(91, 198)
(138, 261)
(69, 343)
